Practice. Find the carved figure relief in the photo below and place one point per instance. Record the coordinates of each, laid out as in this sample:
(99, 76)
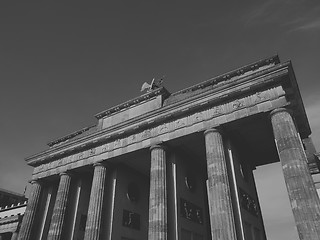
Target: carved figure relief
(217, 110)
(163, 129)
(237, 104)
(248, 203)
(258, 97)
(105, 147)
(190, 211)
(131, 220)
(80, 156)
(92, 151)
(117, 143)
(198, 117)
(146, 133)
(132, 139)
(180, 123)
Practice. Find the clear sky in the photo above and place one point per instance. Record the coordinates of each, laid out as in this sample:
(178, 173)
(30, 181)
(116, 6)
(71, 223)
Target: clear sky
(62, 63)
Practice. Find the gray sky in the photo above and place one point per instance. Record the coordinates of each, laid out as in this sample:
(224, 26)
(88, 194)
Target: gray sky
(62, 63)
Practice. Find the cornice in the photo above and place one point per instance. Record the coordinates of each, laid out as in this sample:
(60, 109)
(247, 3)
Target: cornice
(69, 136)
(215, 95)
(229, 75)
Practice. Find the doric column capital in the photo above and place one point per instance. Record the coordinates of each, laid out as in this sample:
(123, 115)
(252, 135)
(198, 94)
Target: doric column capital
(35, 180)
(101, 163)
(279, 110)
(212, 130)
(65, 173)
(158, 146)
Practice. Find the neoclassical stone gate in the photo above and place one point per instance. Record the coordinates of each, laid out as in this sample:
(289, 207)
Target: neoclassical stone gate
(178, 166)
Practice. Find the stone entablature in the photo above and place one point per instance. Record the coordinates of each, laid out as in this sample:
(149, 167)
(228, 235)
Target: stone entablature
(10, 217)
(171, 130)
(216, 95)
(165, 98)
(242, 107)
(14, 209)
(71, 136)
(240, 73)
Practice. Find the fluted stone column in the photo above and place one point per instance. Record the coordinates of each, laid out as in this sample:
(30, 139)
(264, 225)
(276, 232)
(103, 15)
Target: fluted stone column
(93, 224)
(219, 194)
(31, 210)
(60, 205)
(303, 197)
(14, 236)
(158, 195)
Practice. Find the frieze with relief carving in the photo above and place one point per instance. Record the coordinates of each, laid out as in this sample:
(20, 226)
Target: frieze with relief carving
(167, 127)
(238, 104)
(131, 220)
(191, 211)
(248, 203)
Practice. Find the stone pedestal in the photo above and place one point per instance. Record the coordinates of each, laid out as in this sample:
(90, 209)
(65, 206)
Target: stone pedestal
(30, 213)
(219, 194)
(60, 206)
(93, 224)
(158, 195)
(303, 197)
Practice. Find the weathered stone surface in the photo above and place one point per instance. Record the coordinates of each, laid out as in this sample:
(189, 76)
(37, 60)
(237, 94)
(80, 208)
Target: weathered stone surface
(60, 205)
(14, 236)
(194, 122)
(30, 213)
(158, 195)
(219, 195)
(94, 219)
(303, 197)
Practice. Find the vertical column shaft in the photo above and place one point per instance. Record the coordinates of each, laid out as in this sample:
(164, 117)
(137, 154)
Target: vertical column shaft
(93, 224)
(60, 205)
(303, 197)
(14, 236)
(219, 193)
(158, 195)
(30, 213)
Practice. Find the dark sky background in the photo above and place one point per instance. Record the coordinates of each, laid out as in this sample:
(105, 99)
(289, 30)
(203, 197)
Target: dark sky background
(61, 63)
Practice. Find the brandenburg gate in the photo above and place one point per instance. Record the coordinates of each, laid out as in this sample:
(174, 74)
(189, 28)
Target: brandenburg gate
(178, 166)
